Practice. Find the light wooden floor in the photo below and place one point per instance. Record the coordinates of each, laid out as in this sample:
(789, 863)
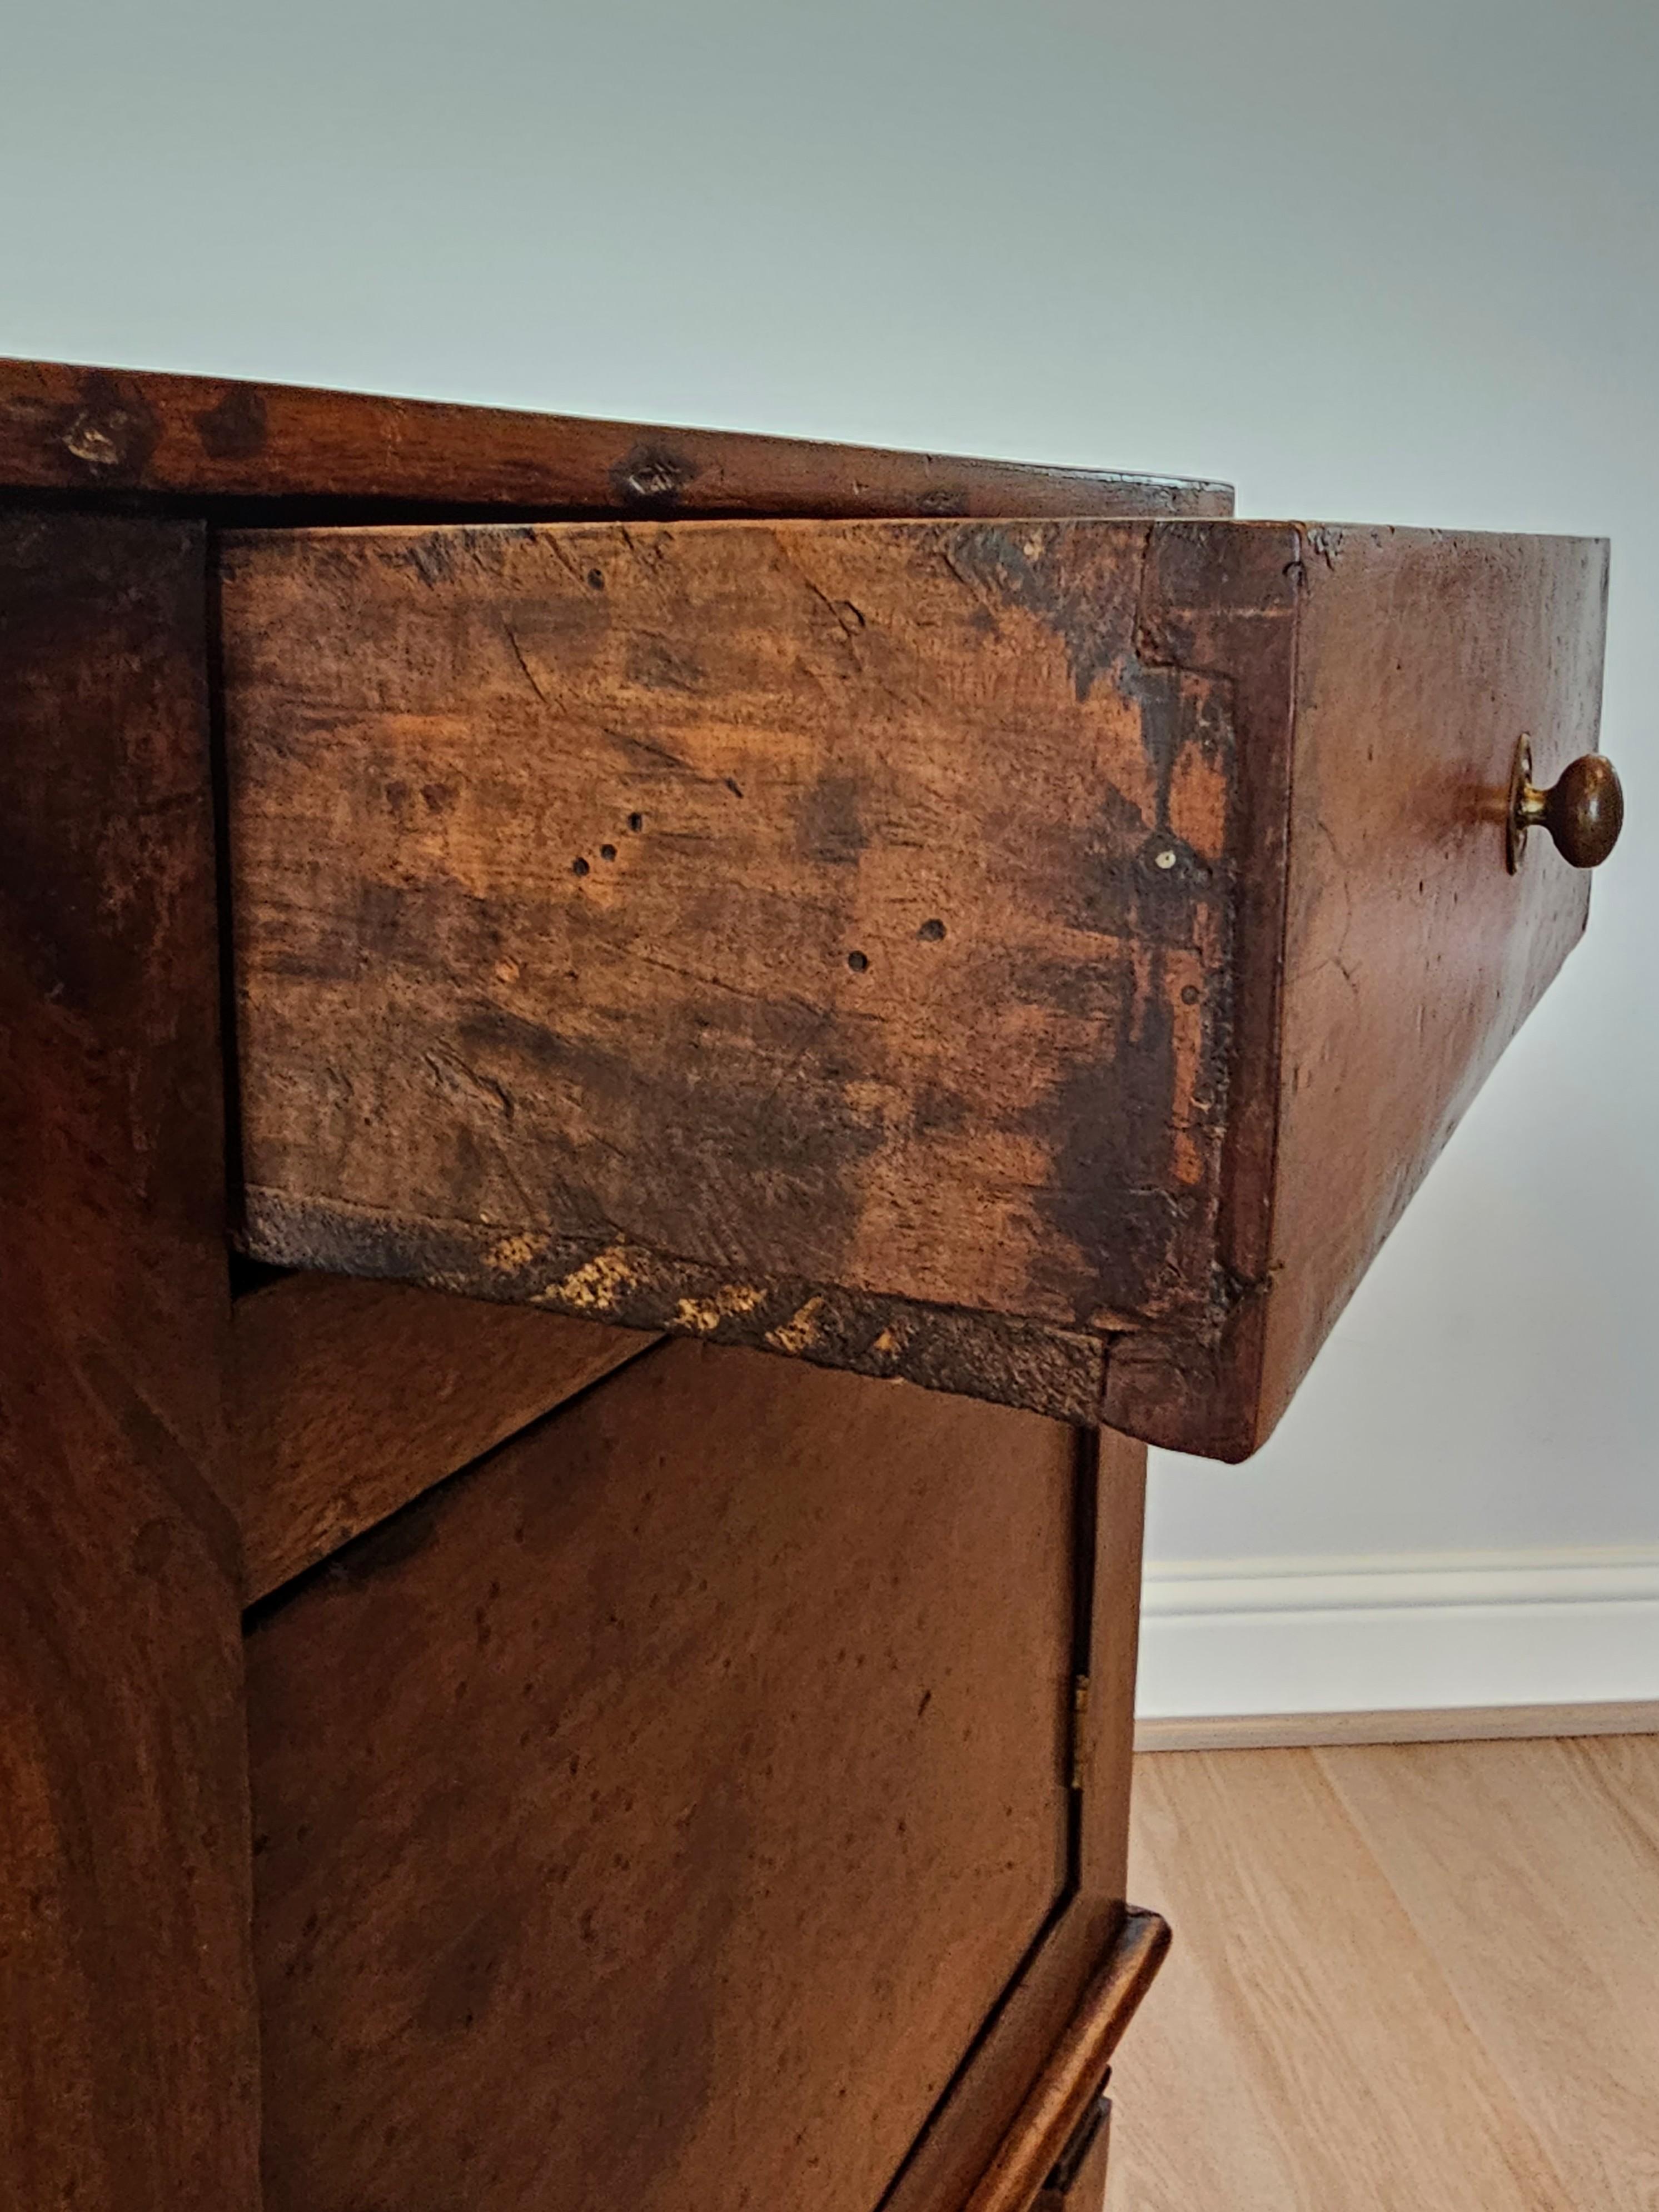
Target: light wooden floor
(1420, 1978)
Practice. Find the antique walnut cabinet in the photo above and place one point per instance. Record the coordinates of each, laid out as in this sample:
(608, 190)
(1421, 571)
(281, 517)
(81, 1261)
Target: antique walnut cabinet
(637, 1064)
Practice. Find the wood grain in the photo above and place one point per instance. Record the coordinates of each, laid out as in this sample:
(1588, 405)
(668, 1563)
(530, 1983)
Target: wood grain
(1037, 960)
(653, 1814)
(1531, 1872)
(128, 2079)
(1311, 2042)
(349, 1399)
(610, 899)
(64, 428)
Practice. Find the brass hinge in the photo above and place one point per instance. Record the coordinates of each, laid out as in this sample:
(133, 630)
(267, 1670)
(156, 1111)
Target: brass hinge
(1079, 1732)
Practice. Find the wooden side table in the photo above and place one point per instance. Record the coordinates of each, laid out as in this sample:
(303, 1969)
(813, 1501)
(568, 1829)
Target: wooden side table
(638, 1062)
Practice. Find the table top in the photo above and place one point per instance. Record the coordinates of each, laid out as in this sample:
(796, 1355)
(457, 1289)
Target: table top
(79, 429)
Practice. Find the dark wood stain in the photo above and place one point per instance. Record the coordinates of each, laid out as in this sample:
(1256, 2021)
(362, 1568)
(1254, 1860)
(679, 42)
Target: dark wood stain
(652, 479)
(235, 428)
(829, 829)
(1048, 1370)
(108, 433)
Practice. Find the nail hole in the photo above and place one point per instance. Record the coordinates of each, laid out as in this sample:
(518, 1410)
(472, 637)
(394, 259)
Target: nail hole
(637, 821)
(858, 961)
(1189, 996)
(596, 580)
(578, 867)
(607, 852)
(930, 932)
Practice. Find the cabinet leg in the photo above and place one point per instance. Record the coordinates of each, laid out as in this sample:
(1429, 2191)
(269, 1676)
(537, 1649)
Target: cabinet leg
(128, 2058)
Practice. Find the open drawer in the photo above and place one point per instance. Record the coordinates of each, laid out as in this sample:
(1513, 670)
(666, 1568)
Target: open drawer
(1038, 959)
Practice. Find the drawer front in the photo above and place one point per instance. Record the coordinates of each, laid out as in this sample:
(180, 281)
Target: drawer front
(1404, 956)
(653, 1814)
(918, 947)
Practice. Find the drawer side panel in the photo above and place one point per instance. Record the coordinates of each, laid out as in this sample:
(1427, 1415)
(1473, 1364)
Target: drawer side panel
(846, 905)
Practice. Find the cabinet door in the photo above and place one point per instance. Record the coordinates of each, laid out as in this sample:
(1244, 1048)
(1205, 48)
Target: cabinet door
(653, 1814)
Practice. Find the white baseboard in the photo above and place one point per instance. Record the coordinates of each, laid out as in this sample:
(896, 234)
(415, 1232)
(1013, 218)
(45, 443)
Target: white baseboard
(1425, 1631)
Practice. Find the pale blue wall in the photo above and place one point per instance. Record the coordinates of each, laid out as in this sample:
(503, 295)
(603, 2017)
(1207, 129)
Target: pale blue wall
(1395, 263)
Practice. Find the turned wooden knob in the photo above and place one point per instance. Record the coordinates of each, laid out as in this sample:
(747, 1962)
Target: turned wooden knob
(1583, 809)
